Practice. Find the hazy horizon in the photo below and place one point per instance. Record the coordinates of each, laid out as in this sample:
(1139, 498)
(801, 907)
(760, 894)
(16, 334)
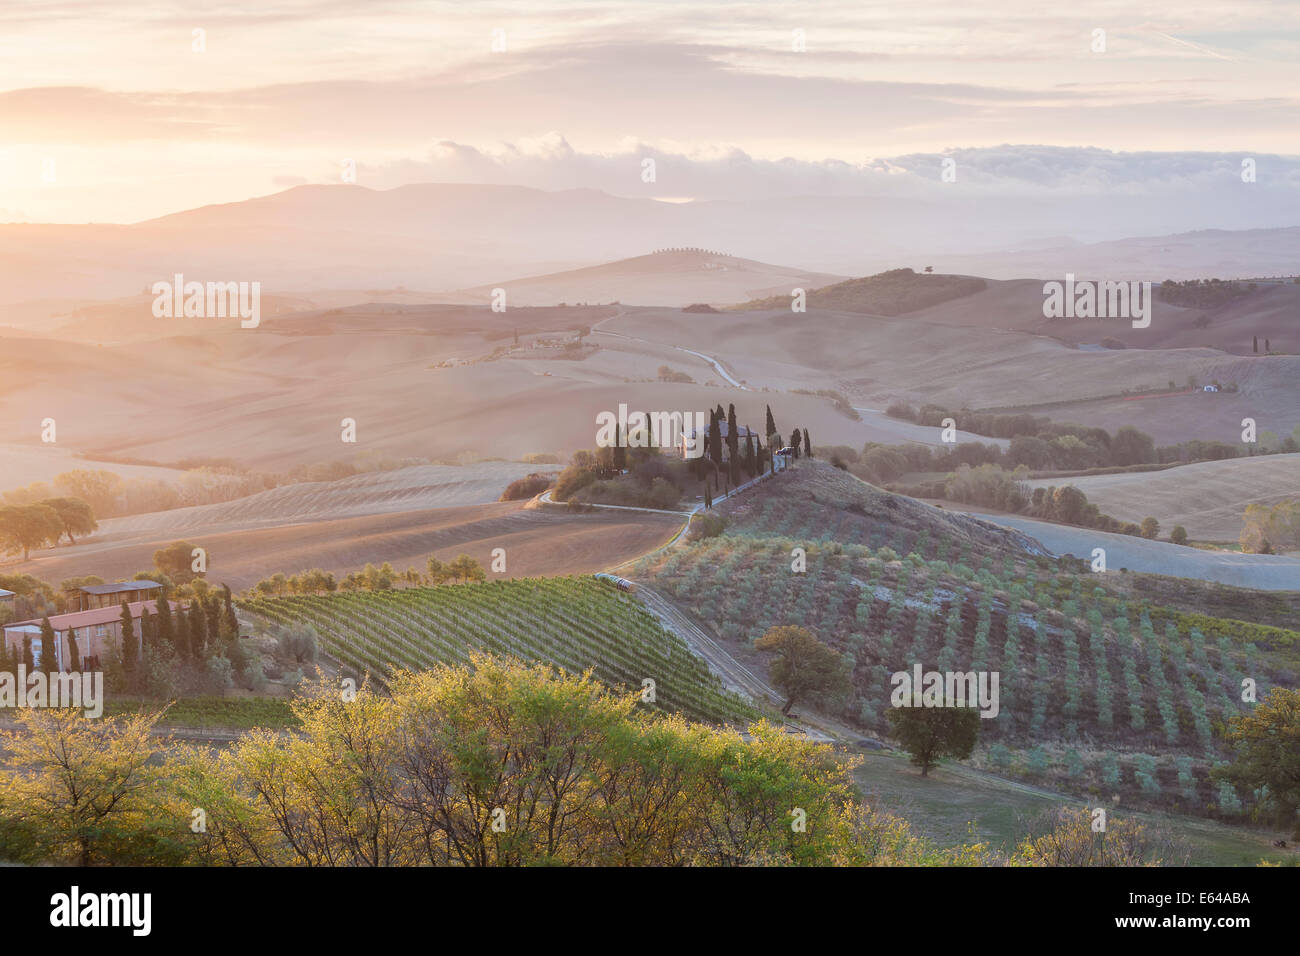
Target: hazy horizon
(181, 109)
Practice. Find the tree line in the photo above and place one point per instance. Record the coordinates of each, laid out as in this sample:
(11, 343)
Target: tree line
(495, 764)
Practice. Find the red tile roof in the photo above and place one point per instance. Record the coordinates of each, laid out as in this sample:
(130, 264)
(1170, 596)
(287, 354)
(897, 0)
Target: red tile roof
(99, 615)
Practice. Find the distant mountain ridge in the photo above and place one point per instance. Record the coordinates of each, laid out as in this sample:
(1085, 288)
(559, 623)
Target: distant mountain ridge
(442, 237)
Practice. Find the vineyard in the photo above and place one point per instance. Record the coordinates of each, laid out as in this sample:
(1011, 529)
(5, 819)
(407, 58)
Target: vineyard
(575, 623)
(1100, 692)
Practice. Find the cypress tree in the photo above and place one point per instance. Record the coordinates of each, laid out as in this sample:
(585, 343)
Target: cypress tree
(48, 652)
(29, 661)
(148, 629)
(1267, 347)
(130, 651)
(1254, 344)
(198, 631)
(74, 655)
(620, 450)
(807, 444)
(749, 455)
(733, 443)
(228, 619)
(771, 425)
(794, 442)
(715, 441)
(166, 630)
(212, 610)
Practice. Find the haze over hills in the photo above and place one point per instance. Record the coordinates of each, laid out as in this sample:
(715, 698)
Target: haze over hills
(445, 237)
(675, 277)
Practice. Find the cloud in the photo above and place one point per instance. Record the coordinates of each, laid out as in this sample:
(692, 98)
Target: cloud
(730, 173)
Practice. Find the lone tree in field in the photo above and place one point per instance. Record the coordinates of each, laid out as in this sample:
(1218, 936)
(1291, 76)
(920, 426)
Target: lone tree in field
(929, 733)
(1150, 527)
(75, 516)
(807, 444)
(23, 527)
(176, 561)
(1266, 740)
(804, 666)
(1178, 535)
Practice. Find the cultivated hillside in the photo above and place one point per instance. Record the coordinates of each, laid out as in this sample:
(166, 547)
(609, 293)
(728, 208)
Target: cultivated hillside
(1105, 687)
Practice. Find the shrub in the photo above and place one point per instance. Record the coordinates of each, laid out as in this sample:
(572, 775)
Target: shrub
(527, 487)
(707, 526)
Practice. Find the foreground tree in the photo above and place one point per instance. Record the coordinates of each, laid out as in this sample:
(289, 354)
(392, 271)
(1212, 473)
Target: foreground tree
(1266, 742)
(87, 792)
(804, 666)
(931, 733)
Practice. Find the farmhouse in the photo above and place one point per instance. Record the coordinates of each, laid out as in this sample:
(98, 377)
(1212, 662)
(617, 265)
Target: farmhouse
(94, 596)
(90, 629)
(6, 599)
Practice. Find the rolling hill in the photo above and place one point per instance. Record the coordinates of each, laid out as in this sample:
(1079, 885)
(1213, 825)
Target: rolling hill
(670, 278)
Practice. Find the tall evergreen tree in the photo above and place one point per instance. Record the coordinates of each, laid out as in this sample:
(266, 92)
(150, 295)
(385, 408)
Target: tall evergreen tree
(715, 442)
(166, 628)
(130, 650)
(198, 621)
(48, 652)
(228, 619)
(212, 609)
(620, 449)
(74, 655)
(749, 456)
(807, 444)
(733, 444)
(148, 630)
(1254, 343)
(771, 425)
(794, 441)
(29, 662)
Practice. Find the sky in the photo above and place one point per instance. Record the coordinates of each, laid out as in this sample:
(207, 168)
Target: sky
(123, 111)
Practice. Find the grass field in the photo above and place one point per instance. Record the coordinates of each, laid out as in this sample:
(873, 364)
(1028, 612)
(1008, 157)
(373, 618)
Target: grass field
(1207, 498)
(953, 803)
